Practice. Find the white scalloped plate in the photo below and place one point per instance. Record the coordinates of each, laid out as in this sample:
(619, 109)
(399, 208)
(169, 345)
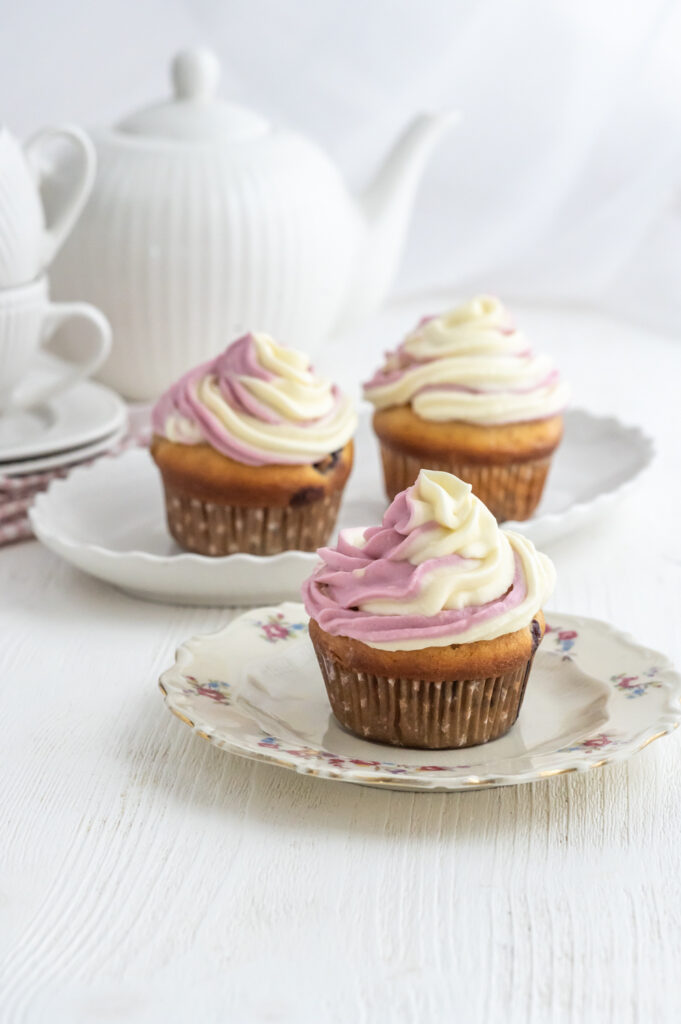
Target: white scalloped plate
(254, 689)
(108, 519)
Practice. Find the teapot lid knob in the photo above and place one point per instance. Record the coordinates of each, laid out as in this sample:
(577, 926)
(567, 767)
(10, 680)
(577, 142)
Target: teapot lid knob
(195, 113)
(195, 74)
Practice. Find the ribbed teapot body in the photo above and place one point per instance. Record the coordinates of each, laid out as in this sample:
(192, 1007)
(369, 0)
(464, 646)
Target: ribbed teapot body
(185, 247)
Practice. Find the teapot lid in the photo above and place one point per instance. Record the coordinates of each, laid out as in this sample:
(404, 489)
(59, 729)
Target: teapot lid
(195, 114)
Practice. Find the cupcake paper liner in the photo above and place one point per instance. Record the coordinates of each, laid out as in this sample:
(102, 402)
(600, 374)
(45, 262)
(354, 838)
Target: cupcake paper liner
(511, 490)
(208, 528)
(406, 712)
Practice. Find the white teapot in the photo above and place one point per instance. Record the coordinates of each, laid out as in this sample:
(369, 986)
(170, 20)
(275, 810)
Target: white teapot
(205, 222)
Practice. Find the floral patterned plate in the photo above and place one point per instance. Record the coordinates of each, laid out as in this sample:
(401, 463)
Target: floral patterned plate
(254, 689)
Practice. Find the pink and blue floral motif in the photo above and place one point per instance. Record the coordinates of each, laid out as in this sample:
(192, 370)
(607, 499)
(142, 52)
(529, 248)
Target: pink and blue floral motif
(563, 639)
(597, 742)
(636, 686)
(276, 628)
(345, 763)
(215, 689)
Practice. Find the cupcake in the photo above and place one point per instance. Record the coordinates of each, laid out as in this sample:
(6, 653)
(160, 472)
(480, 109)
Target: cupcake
(254, 450)
(465, 393)
(425, 627)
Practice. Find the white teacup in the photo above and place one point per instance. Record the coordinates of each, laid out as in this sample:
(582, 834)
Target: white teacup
(28, 322)
(27, 243)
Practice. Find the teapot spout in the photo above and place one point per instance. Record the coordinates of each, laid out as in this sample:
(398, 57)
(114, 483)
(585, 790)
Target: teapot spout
(386, 205)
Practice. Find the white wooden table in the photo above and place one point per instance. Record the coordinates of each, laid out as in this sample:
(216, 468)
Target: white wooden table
(149, 877)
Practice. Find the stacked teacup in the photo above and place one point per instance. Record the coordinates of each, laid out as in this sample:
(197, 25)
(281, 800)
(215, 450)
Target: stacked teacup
(28, 243)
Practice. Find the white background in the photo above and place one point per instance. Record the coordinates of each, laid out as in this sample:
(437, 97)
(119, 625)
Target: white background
(563, 179)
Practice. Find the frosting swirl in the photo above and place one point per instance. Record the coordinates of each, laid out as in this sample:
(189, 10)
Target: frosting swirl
(469, 364)
(438, 571)
(259, 403)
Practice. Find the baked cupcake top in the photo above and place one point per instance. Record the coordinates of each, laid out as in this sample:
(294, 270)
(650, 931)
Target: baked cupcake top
(470, 364)
(438, 571)
(258, 403)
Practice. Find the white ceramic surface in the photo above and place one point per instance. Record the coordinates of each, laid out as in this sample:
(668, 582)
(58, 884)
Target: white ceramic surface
(89, 412)
(27, 243)
(263, 233)
(598, 461)
(254, 688)
(28, 323)
(89, 519)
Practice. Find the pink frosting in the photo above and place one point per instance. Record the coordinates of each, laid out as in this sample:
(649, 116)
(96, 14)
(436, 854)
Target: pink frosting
(400, 362)
(406, 363)
(181, 399)
(333, 594)
(551, 378)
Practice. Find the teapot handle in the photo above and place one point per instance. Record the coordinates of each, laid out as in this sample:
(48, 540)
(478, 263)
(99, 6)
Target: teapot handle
(72, 203)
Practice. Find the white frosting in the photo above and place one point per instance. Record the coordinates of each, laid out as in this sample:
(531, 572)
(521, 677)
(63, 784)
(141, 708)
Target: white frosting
(294, 393)
(472, 347)
(310, 417)
(465, 527)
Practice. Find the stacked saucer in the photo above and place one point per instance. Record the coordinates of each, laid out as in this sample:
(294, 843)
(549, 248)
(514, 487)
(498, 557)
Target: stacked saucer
(70, 427)
(38, 443)
(51, 415)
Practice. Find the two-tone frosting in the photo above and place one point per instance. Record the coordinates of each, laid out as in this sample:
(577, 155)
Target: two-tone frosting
(469, 364)
(437, 571)
(259, 403)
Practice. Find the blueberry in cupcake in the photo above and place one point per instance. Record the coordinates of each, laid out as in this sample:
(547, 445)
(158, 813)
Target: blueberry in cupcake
(465, 393)
(254, 450)
(425, 627)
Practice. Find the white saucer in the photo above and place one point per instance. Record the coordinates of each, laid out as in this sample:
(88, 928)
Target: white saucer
(26, 467)
(90, 520)
(594, 696)
(85, 413)
(598, 461)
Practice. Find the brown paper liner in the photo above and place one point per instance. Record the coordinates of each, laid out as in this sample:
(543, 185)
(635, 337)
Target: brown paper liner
(208, 528)
(511, 490)
(419, 712)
